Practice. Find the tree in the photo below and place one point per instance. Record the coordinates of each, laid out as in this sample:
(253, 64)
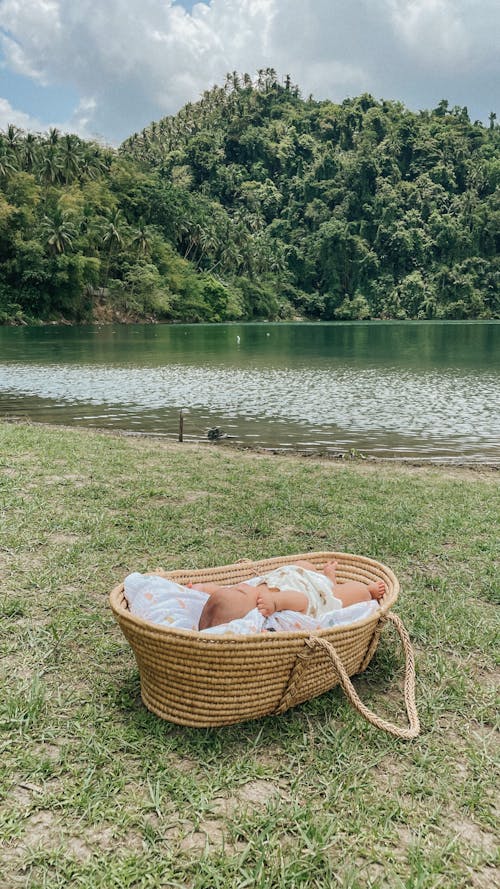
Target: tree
(7, 160)
(141, 239)
(255, 203)
(53, 136)
(112, 237)
(13, 138)
(58, 231)
(144, 291)
(49, 168)
(355, 309)
(70, 158)
(30, 152)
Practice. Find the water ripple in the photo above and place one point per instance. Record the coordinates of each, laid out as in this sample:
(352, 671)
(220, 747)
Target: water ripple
(425, 405)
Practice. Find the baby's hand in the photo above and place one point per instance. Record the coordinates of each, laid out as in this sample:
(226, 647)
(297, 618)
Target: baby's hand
(265, 604)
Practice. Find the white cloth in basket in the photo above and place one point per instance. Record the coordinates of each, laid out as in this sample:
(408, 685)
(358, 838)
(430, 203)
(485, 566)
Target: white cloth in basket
(163, 601)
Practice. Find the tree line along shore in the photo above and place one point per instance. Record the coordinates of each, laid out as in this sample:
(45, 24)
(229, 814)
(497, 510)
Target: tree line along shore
(256, 203)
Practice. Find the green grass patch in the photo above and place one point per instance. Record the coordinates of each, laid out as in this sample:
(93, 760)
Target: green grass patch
(96, 792)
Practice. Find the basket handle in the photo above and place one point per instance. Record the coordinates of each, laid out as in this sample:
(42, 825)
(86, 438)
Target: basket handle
(409, 683)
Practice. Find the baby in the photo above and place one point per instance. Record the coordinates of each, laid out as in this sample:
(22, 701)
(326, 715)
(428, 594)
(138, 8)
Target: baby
(296, 587)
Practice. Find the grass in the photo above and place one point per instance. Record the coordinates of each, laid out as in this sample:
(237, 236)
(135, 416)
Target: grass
(96, 792)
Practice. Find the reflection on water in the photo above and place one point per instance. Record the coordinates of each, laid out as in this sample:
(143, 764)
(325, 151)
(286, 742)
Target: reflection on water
(408, 389)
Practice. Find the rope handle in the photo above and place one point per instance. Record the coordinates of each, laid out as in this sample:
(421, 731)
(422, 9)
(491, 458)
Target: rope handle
(350, 692)
(409, 684)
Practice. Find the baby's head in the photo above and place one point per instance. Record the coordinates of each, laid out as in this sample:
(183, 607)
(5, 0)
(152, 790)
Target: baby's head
(226, 605)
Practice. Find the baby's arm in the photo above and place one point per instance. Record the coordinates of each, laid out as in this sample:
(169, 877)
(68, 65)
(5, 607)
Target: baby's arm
(273, 600)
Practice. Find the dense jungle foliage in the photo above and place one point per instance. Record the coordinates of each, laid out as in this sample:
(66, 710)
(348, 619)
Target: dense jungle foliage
(256, 203)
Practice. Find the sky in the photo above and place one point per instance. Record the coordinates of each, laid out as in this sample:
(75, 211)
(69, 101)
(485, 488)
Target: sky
(107, 69)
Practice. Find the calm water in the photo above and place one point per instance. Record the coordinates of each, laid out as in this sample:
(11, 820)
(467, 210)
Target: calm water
(427, 389)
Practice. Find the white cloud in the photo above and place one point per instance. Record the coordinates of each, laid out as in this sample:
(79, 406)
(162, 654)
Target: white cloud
(434, 30)
(9, 115)
(132, 61)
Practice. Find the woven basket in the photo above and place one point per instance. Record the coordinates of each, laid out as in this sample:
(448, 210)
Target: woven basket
(198, 679)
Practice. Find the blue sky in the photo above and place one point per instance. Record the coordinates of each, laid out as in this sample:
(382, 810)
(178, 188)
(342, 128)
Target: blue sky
(106, 69)
(188, 4)
(34, 99)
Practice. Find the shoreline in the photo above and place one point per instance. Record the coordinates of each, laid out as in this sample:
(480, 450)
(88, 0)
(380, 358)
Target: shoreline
(352, 457)
(129, 321)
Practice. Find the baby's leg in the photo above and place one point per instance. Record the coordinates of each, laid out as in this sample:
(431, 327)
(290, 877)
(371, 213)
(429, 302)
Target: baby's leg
(330, 570)
(353, 591)
(208, 588)
(213, 588)
(303, 563)
(271, 599)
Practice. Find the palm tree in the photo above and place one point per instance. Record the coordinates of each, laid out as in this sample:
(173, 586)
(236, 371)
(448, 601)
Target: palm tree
(59, 231)
(270, 79)
(428, 306)
(30, 151)
(13, 137)
(7, 160)
(190, 233)
(91, 165)
(70, 158)
(48, 166)
(209, 245)
(53, 136)
(112, 236)
(232, 259)
(142, 239)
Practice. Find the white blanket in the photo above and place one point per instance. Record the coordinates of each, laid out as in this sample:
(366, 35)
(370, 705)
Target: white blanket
(162, 601)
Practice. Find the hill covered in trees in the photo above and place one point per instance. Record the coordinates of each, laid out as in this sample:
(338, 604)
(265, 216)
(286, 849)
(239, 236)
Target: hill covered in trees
(256, 203)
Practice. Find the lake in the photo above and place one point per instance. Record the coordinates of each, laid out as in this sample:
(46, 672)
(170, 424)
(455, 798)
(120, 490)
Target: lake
(393, 389)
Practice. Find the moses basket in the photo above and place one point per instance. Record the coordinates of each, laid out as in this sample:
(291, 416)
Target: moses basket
(199, 679)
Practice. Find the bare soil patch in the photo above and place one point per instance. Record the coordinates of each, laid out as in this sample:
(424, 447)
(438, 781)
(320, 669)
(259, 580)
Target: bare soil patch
(42, 829)
(260, 791)
(61, 537)
(485, 878)
(474, 835)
